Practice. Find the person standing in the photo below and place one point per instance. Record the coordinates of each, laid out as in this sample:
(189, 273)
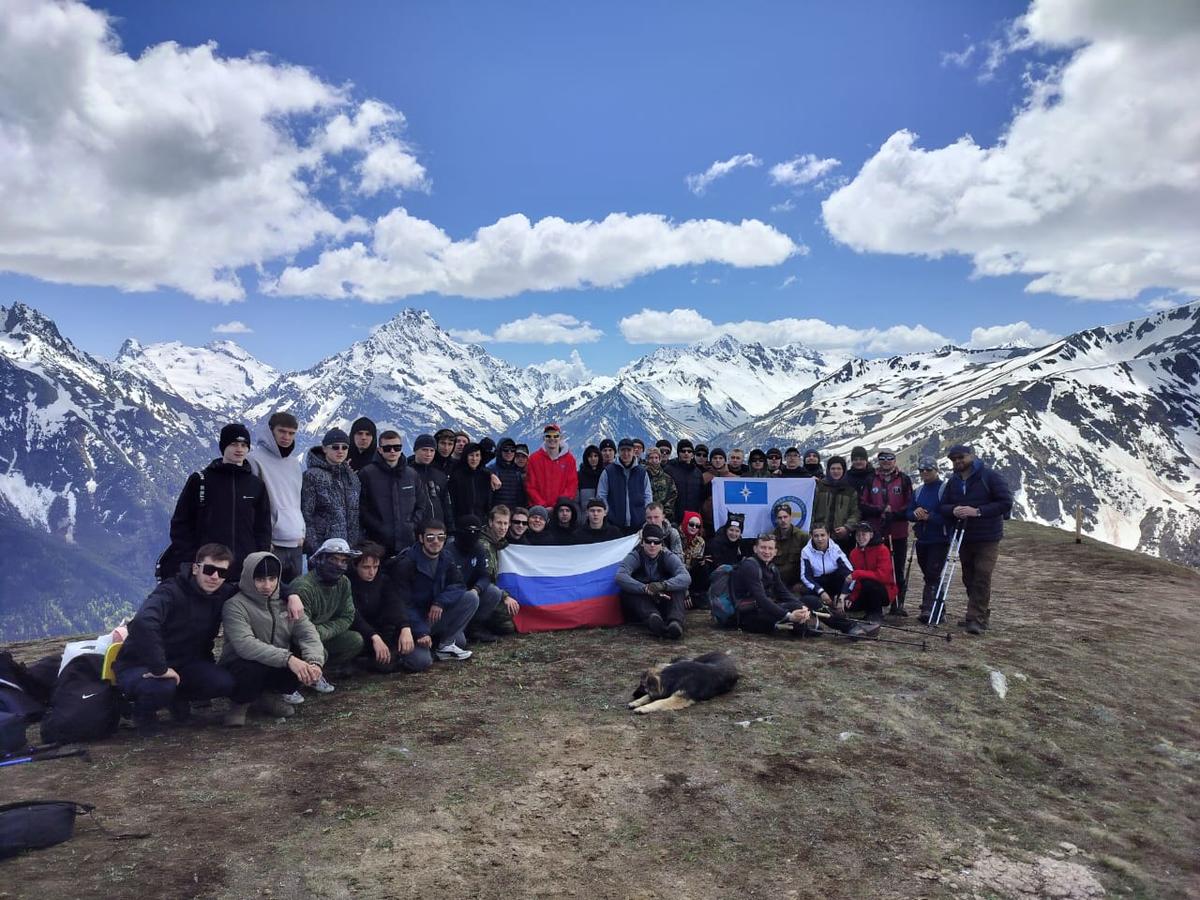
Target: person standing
(884, 504)
(662, 485)
(362, 450)
(625, 487)
(689, 481)
(276, 463)
(471, 484)
(931, 531)
(511, 492)
(224, 503)
(393, 501)
(977, 499)
(552, 472)
(435, 480)
(835, 504)
(590, 471)
(329, 494)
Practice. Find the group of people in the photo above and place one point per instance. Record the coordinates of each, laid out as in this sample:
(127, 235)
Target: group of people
(365, 558)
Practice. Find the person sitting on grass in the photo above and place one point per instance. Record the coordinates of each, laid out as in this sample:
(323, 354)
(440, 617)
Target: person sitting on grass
(760, 595)
(653, 585)
(872, 584)
(432, 587)
(267, 652)
(382, 618)
(329, 604)
(694, 559)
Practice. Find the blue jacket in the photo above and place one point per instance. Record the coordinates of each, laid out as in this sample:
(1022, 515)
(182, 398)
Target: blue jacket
(422, 582)
(935, 529)
(985, 489)
(627, 492)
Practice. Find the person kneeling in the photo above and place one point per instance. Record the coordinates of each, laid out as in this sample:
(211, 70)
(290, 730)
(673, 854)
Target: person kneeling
(329, 604)
(382, 617)
(653, 586)
(432, 586)
(266, 651)
(872, 584)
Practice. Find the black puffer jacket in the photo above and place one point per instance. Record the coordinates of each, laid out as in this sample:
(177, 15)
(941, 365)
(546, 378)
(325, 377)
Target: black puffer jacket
(393, 504)
(228, 505)
(437, 488)
(378, 606)
(689, 482)
(512, 485)
(562, 535)
(470, 491)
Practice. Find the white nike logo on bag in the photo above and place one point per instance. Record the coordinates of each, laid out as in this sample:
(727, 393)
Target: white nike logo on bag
(89, 696)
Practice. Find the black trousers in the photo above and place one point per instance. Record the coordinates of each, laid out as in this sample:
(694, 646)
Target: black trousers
(872, 597)
(638, 607)
(760, 622)
(252, 678)
(932, 559)
(899, 547)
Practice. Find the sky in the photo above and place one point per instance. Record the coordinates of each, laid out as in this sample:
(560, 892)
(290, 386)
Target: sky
(584, 182)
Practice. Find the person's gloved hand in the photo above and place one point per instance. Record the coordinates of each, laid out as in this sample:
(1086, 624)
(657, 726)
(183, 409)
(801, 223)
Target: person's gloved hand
(656, 587)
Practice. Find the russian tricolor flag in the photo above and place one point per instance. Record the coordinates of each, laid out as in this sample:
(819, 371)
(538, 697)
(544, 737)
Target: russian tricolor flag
(564, 587)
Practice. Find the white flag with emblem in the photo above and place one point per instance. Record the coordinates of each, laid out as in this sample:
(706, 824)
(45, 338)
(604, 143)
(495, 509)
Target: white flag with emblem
(757, 498)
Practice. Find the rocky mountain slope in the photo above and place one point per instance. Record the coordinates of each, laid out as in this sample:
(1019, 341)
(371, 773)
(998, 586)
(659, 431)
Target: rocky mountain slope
(220, 376)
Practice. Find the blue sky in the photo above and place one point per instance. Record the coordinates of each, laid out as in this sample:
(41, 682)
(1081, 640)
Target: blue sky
(581, 112)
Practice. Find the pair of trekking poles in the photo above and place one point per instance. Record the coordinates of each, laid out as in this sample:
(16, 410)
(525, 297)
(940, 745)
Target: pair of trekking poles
(937, 610)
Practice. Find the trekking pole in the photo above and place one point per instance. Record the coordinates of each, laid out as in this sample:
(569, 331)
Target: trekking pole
(938, 608)
(926, 634)
(924, 645)
(912, 548)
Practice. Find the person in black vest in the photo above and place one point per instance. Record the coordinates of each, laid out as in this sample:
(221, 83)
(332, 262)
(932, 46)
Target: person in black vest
(393, 501)
(625, 487)
(362, 443)
(167, 659)
(511, 492)
(689, 481)
(225, 503)
(595, 528)
(437, 482)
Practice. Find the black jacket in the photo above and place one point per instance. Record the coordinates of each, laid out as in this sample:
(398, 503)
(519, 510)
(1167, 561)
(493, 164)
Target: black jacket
(176, 624)
(757, 585)
(562, 535)
(472, 562)
(437, 488)
(228, 505)
(359, 459)
(589, 476)
(470, 492)
(689, 482)
(585, 534)
(512, 485)
(378, 607)
(392, 505)
(723, 551)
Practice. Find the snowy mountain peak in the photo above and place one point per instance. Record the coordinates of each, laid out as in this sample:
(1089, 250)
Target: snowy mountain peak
(220, 376)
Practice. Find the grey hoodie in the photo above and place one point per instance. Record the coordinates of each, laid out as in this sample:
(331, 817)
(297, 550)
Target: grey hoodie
(257, 628)
(283, 476)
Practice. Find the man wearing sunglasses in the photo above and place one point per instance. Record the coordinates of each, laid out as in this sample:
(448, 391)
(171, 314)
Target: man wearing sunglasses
(653, 585)
(553, 471)
(330, 493)
(689, 480)
(884, 503)
(167, 659)
(432, 587)
(225, 503)
(394, 501)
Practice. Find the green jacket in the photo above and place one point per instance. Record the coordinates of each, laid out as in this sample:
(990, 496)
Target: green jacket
(491, 549)
(257, 628)
(662, 485)
(835, 505)
(330, 608)
(787, 557)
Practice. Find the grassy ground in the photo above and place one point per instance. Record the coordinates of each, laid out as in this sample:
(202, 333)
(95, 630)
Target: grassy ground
(833, 770)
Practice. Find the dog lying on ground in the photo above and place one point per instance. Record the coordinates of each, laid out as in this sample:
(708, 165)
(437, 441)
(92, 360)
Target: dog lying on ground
(683, 681)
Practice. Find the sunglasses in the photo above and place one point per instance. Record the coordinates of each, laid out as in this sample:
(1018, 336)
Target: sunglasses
(693, 525)
(210, 569)
(681, 452)
(508, 450)
(886, 457)
(519, 522)
(433, 537)
(336, 447)
(390, 448)
(652, 542)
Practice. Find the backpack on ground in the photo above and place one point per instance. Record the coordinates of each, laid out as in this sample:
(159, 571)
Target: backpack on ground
(83, 706)
(720, 600)
(33, 824)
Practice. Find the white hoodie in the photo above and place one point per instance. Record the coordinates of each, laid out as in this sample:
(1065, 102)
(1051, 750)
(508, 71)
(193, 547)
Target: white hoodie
(283, 476)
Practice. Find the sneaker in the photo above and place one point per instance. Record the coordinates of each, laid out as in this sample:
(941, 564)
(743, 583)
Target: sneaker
(452, 651)
(674, 630)
(295, 698)
(656, 625)
(236, 716)
(976, 628)
(323, 687)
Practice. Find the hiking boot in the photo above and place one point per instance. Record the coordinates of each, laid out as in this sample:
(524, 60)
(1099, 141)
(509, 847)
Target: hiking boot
(482, 636)
(295, 698)
(323, 687)
(674, 631)
(236, 716)
(898, 611)
(181, 711)
(147, 724)
(452, 651)
(272, 705)
(656, 625)
(874, 618)
(862, 630)
(923, 618)
(976, 627)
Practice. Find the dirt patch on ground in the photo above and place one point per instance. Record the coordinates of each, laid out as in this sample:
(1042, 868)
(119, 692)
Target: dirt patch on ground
(833, 770)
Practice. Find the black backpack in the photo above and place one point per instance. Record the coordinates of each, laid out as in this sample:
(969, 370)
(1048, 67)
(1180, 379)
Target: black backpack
(83, 706)
(167, 565)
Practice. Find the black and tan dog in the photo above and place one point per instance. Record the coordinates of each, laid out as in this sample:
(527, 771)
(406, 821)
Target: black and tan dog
(683, 681)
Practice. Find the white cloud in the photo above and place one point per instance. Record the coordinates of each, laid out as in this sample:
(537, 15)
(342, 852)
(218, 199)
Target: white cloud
(234, 327)
(959, 58)
(1167, 301)
(786, 206)
(787, 282)
(698, 184)
(684, 326)
(1093, 189)
(410, 256)
(469, 335)
(572, 371)
(1018, 334)
(555, 328)
(802, 170)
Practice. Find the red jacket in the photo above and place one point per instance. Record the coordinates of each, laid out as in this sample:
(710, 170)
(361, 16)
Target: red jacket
(548, 479)
(884, 503)
(874, 562)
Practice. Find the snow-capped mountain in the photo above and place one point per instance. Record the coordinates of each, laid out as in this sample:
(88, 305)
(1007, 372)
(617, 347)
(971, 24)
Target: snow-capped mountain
(411, 375)
(1107, 419)
(696, 392)
(91, 457)
(220, 376)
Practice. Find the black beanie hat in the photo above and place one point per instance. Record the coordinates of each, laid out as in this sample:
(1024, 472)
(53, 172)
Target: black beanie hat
(423, 441)
(335, 436)
(859, 453)
(231, 433)
(268, 567)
